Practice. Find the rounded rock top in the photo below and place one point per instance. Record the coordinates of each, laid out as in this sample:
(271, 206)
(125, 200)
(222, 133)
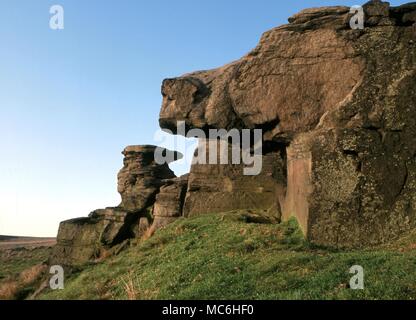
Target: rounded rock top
(140, 149)
(150, 149)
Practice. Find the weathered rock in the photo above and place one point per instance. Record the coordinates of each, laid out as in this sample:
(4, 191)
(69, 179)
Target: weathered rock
(143, 225)
(343, 103)
(284, 86)
(377, 8)
(82, 240)
(316, 18)
(337, 108)
(403, 9)
(224, 187)
(377, 13)
(141, 177)
(169, 202)
(86, 239)
(404, 14)
(409, 18)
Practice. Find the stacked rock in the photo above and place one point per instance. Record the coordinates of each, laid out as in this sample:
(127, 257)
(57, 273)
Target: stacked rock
(139, 181)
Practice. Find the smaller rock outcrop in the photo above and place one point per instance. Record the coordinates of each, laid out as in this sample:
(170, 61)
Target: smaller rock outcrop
(215, 188)
(84, 239)
(141, 177)
(169, 202)
(139, 182)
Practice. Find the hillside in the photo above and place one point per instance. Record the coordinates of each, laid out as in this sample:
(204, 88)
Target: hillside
(305, 168)
(11, 242)
(21, 270)
(223, 256)
(333, 149)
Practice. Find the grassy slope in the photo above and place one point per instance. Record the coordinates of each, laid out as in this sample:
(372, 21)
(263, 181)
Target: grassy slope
(223, 257)
(21, 269)
(13, 262)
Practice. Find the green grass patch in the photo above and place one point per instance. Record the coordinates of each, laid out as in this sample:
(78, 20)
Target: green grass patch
(222, 256)
(14, 261)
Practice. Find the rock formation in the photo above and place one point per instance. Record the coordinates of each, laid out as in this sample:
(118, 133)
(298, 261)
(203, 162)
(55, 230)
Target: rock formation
(222, 188)
(169, 202)
(340, 102)
(139, 181)
(141, 178)
(336, 107)
(84, 239)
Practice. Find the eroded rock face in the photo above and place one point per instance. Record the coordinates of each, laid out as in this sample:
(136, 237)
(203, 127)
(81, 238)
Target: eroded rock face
(284, 86)
(84, 239)
(216, 188)
(337, 108)
(342, 104)
(87, 239)
(169, 202)
(141, 177)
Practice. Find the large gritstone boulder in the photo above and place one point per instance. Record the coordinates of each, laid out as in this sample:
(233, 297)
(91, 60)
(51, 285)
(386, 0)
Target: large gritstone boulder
(341, 102)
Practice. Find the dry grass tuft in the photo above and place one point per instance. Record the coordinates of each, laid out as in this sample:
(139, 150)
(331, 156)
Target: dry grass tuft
(32, 274)
(8, 290)
(129, 288)
(149, 233)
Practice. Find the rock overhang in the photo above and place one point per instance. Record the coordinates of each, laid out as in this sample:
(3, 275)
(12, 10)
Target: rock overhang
(336, 107)
(305, 85)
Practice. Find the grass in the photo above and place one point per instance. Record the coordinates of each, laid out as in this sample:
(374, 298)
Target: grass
(13, 262)
(224, 257)
(20, 270)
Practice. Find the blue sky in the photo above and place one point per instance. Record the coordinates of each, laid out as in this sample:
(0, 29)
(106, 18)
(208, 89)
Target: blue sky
(71, 100)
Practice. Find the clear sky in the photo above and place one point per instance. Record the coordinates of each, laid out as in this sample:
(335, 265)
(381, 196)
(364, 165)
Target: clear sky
(72, 99)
